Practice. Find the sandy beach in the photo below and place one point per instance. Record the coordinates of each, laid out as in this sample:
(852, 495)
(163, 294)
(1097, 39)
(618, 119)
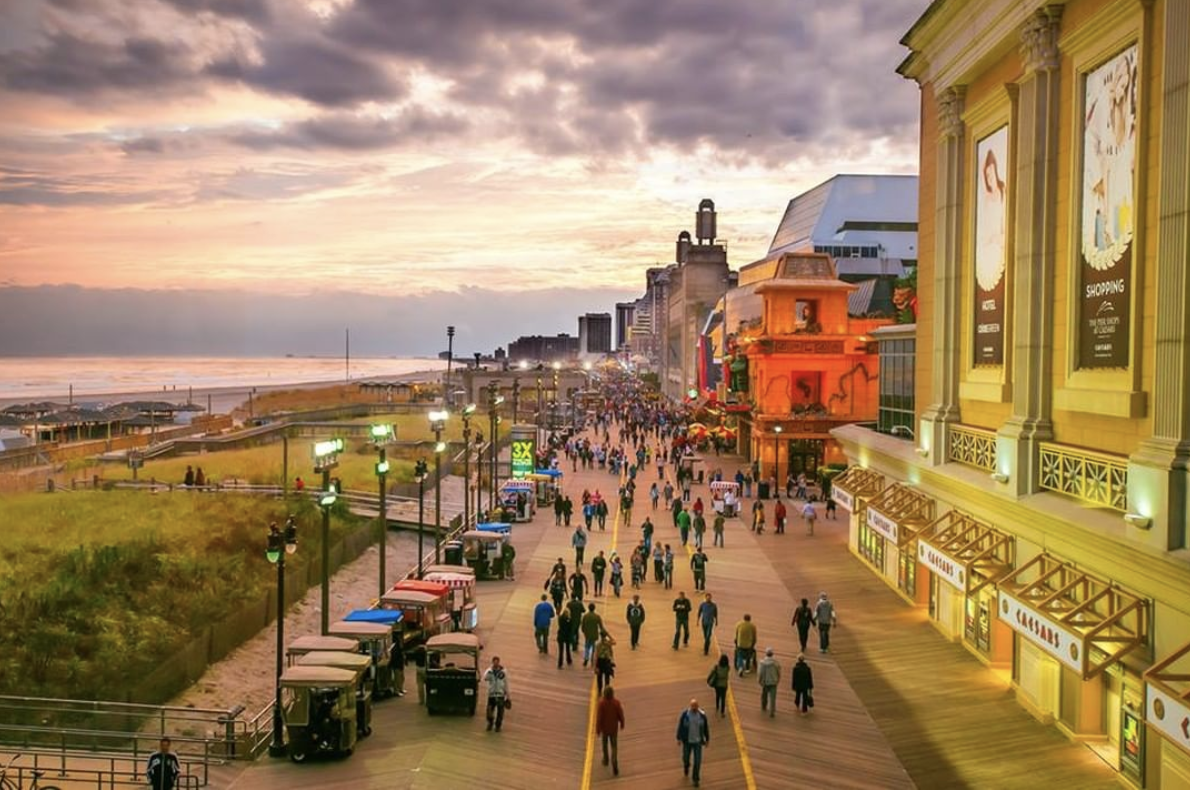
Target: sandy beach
(220, 400)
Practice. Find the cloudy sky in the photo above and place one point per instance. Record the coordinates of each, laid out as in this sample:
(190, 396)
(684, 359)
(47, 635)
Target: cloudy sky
(403, 148)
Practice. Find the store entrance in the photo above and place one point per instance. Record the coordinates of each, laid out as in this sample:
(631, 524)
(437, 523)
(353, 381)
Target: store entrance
(805, 456)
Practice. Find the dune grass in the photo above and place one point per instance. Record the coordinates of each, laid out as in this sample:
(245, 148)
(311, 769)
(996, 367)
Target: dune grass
(96, 588)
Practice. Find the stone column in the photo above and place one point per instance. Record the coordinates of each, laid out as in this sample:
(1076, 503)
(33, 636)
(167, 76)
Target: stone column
(948, 233)
(1033, 261)
(1158, 476)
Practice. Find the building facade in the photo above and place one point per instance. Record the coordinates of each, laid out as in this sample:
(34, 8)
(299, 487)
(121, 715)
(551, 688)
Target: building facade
(625, 322)
(543, 348)
(1037, 508)
(594, 334)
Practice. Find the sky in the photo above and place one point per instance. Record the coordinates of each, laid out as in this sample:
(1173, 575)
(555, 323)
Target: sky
(530, 158)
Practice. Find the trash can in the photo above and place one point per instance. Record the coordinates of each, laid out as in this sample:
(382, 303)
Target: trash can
(762, 489)
(452, 552)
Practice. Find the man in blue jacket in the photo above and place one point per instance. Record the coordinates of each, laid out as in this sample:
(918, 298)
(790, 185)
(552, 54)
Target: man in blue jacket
(543, 614)
(694, 732)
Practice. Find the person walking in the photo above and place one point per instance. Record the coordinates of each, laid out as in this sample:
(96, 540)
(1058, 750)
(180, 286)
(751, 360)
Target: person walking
(617, 574)
(592, 628)
(609, 720)
(567, 511)
(658, 563)
(745, 643)
(558, 507)
(708, 618)
(543, 615)
(803, 618)
(684, 526)
(563, 637)
(718, 679)
(508, 555)
(801, 485)
(498, 697)
(579, 541)
(717, 530)
(635, 614)
(824, 618)
(694, 733)
(779, 513)
(646, 531)
(578, 584)
(601, 514)
(668, 493)
(700, 529)
(556, 585)
(605, 661)
(768, 674)
(698, 564)
(163, 769)
(577, 610)
(803, 685)
(831, 507)
(682, 607)
(789, 485)
(809, 514)
(758, 517)
(668, 567)
(654, 494)
(598, 569)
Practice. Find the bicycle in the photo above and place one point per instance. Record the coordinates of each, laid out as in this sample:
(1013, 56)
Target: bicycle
(17, 784)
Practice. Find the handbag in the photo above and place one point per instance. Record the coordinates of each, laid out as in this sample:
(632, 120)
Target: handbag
(809, 700)
(711, 678)
(508, 704)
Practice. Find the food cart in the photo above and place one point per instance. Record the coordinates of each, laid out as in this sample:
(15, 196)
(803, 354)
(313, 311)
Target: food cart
(452, 673)
(462, 592)
(518, 497)
(318, 708)
(361, 665)
(725, 497)
(425, 613)
(548, 485)
(308, 644)
(375, 640)
(484, 551)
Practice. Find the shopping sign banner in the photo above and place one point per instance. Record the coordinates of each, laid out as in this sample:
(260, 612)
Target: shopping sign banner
(841, 497)
(1168, 714)
(522, 458)
(882, 524)
(943, 566)
(1059, 642)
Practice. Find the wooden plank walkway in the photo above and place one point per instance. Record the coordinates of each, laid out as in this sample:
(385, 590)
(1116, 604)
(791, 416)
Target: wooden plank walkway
(881, 721)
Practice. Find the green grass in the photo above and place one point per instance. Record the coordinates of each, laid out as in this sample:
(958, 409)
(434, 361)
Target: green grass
(96, 588)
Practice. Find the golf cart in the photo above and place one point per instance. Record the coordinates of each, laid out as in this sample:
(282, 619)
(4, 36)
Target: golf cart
(318, 707)
(375, 640)
(452, 673)
(361, 665)
(425, 613)
(308, 644)
(461, 583)
(484, 552)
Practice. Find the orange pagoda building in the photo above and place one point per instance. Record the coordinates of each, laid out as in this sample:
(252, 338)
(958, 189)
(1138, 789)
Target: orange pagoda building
(799, 360)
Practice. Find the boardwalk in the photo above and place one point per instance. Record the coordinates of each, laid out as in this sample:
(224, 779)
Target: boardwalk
(881, 721)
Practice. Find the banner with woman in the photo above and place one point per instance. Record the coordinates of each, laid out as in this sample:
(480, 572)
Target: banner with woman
(991, 246)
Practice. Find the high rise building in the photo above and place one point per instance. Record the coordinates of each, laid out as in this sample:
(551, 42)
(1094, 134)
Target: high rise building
(595, 334)
(625, 318)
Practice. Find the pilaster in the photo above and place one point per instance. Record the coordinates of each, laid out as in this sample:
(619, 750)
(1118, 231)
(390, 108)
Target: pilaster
(1158, 476)
(944, 384)
(1033, 260)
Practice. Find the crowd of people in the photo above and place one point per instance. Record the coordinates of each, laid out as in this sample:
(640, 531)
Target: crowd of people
(640, 443)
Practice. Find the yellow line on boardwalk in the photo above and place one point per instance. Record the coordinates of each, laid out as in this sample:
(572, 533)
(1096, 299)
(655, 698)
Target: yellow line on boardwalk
(593, 703)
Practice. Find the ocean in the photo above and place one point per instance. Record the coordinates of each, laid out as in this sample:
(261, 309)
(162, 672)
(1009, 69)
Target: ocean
(51, 378)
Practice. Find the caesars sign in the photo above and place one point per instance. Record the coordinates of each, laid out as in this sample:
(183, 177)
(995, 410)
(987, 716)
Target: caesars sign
(1054, 639)
(991, 253)
(522, 458)
(1108, 213)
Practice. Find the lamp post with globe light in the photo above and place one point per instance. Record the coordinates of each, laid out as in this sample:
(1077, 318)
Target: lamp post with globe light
(326, 458)
(420, 470)
(381, 434)
(280, 544)
(438, 424)
(468, 410)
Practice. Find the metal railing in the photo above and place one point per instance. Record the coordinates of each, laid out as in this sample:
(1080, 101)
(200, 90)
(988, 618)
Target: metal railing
(1096, 479)
(104, 772)
(971, 446)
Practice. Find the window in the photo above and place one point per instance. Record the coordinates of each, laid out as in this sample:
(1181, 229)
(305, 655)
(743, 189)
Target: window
(897, 359)
(871, 542)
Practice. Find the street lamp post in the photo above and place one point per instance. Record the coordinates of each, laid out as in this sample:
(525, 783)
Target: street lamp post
(777, 453)
(516, 400)
(468, 410)
(280, 543)
(450, 355)
(539, 410)
(419, 471)
(494, 402)
(380, 435)
(326, 458)
(438, 423)
(478, 476)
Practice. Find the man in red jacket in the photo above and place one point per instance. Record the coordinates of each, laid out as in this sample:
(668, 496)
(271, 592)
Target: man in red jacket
(609, 720)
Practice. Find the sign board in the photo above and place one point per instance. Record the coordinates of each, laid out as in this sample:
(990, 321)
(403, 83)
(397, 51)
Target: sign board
(842, 497)
(942, 566)
(1059, 642)
(883, 524)
(522, 458)
(1168, 714)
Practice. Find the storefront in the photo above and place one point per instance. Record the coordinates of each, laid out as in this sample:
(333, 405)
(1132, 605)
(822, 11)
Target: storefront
(965, 558)
(1167, 713)
(888, 528)
(1072, 663)
(851, 491)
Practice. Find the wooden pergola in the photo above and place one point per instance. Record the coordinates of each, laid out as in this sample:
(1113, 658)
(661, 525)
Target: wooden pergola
(908, 510)
(984, 553)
